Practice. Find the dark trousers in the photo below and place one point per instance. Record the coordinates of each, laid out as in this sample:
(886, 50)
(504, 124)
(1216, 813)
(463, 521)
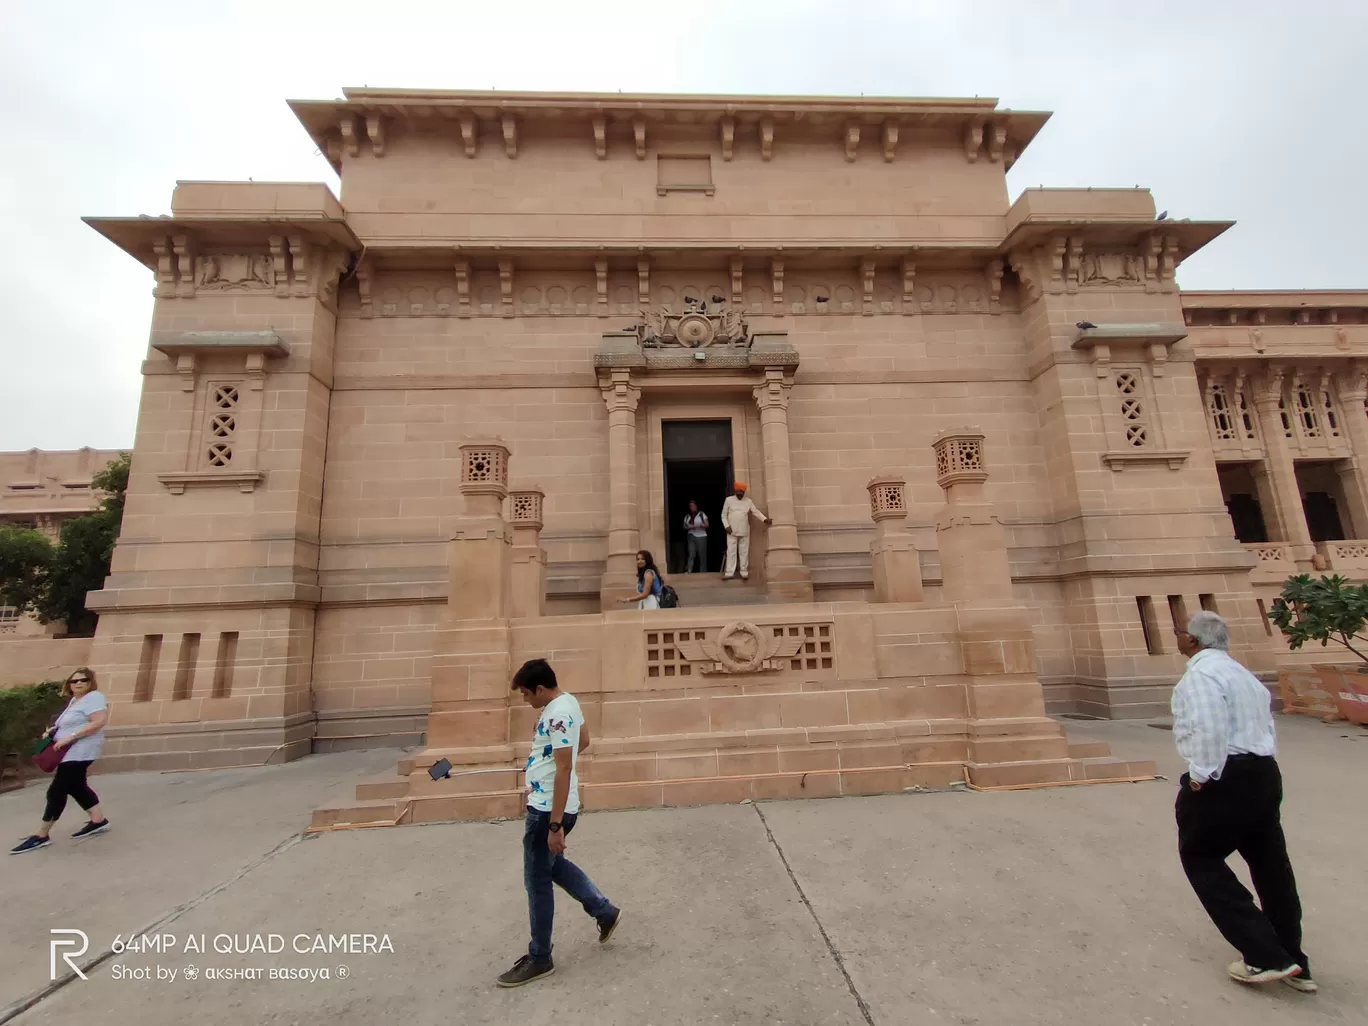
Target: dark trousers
(1239, 813)
(698, 550)
(69, 779)
(541, 869)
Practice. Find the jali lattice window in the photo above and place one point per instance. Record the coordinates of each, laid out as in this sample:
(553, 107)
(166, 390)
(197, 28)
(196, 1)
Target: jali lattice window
(1331, 418)
(526, 507)
(221, 424)
(958, 454)
(1132, 409)
(816, 650)
(1286, 420)
(1218, 407)
(1308, 413)
(1246, 416)
(663, 658)
(484, 466)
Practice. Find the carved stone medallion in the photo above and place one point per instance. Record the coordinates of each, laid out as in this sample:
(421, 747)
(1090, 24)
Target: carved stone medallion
(740, 647)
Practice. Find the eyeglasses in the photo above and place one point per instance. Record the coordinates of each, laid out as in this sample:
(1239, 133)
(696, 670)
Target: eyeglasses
(80, 680)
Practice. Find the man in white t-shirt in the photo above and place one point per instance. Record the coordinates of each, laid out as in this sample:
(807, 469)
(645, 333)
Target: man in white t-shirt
(552, 807)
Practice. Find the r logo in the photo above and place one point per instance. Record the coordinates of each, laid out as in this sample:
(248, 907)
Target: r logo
(66, 939)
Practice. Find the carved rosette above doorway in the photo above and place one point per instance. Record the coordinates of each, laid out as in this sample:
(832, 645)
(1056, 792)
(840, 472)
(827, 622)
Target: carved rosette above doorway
(706, 338)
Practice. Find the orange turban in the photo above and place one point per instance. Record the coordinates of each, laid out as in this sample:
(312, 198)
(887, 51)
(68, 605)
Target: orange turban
(739, 486)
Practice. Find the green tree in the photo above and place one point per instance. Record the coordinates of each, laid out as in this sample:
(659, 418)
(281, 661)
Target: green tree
(1324, 610)
(52, 582)
(25, 558)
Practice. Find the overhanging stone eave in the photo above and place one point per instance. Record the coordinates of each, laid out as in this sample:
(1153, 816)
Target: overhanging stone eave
(137, 235)
(237, 343)
(1191, 235)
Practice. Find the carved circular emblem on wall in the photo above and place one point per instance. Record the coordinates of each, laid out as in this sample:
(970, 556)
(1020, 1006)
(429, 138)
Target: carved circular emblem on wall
(740, 647)
(694, 330)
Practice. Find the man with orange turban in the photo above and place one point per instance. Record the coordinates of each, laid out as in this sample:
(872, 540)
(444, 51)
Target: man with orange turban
(736, 514)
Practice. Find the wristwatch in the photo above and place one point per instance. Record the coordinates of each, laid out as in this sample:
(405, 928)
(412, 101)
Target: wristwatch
(555, 828)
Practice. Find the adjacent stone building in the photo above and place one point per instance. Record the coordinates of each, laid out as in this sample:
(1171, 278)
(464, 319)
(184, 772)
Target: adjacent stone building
(392, 444)
(42, 490)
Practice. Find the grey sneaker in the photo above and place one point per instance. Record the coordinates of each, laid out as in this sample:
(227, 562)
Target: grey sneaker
(30, 844)
(1302, 982)
(1242, 973)
(525, 971)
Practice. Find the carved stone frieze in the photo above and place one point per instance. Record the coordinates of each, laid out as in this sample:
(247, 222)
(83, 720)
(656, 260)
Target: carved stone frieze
(246, 272)
(703, 325)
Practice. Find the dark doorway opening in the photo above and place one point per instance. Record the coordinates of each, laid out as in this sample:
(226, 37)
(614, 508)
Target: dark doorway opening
(698, 467)
(1242, 502)
(1322, 496)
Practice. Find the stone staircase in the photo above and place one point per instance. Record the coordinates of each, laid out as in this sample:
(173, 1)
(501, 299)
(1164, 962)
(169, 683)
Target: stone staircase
(728, 767)
(698, 590)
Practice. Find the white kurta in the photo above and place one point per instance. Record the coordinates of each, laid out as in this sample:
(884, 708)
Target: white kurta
(736, 514)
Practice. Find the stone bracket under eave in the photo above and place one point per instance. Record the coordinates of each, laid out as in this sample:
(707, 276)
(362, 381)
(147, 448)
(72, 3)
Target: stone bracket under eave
(1173, 458)
(245, 480)
(1157, 339)
(185, 347)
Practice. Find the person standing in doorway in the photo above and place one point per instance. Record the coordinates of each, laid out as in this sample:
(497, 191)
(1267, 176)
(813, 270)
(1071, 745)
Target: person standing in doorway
(1228, 801)
(696, 528)
(552, 809)
(736, 514)
(79, 736)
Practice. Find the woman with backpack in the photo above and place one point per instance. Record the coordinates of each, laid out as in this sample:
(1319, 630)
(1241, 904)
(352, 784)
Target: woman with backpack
(79, 736)
(649, 583)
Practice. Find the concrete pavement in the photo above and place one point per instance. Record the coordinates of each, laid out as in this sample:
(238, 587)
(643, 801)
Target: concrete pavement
(1037, 907)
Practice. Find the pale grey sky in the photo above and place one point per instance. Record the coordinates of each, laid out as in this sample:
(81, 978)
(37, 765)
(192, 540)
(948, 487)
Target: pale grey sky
(1248, 110)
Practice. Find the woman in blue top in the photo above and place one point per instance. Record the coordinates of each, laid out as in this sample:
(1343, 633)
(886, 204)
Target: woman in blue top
(79, 736)
(648, 583)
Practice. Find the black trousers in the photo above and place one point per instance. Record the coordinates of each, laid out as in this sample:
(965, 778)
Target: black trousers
(69, 779)
(1240, 813)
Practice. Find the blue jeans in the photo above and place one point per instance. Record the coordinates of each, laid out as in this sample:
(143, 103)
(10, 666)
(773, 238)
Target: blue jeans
(541, 869)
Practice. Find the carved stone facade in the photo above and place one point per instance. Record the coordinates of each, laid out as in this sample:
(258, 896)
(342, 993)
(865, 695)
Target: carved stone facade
(647, 299)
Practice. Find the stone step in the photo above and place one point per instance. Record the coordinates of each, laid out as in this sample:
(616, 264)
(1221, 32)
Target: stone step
(386, 788)
(1057, 771)
(358, 813)
(1089, 749)
(700, 590)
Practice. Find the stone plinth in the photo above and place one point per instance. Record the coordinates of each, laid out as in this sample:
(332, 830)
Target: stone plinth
(897, 567)
(529, 558)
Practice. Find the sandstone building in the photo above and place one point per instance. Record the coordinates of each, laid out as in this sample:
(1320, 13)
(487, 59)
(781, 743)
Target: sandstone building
(393, 443)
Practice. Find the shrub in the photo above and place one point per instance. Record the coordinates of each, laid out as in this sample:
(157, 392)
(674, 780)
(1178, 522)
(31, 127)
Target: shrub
(25, 713)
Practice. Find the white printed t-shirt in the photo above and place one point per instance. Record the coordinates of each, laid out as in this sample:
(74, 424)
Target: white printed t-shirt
(559, 727)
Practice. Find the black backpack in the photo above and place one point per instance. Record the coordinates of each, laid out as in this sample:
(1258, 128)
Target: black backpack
(669, 598)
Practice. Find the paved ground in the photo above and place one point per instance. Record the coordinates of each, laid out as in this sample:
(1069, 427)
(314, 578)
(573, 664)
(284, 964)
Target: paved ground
(1051, 906)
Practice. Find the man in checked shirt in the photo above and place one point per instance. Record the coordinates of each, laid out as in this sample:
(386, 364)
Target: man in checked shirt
(1228, 801)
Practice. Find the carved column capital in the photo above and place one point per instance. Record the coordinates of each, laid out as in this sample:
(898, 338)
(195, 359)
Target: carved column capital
(1353, 383)
(619, 394)
(1268, 386)
(773, 393)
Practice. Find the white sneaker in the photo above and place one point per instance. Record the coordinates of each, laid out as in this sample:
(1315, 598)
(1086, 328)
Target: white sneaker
(1303, 983)
(1249, 974)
